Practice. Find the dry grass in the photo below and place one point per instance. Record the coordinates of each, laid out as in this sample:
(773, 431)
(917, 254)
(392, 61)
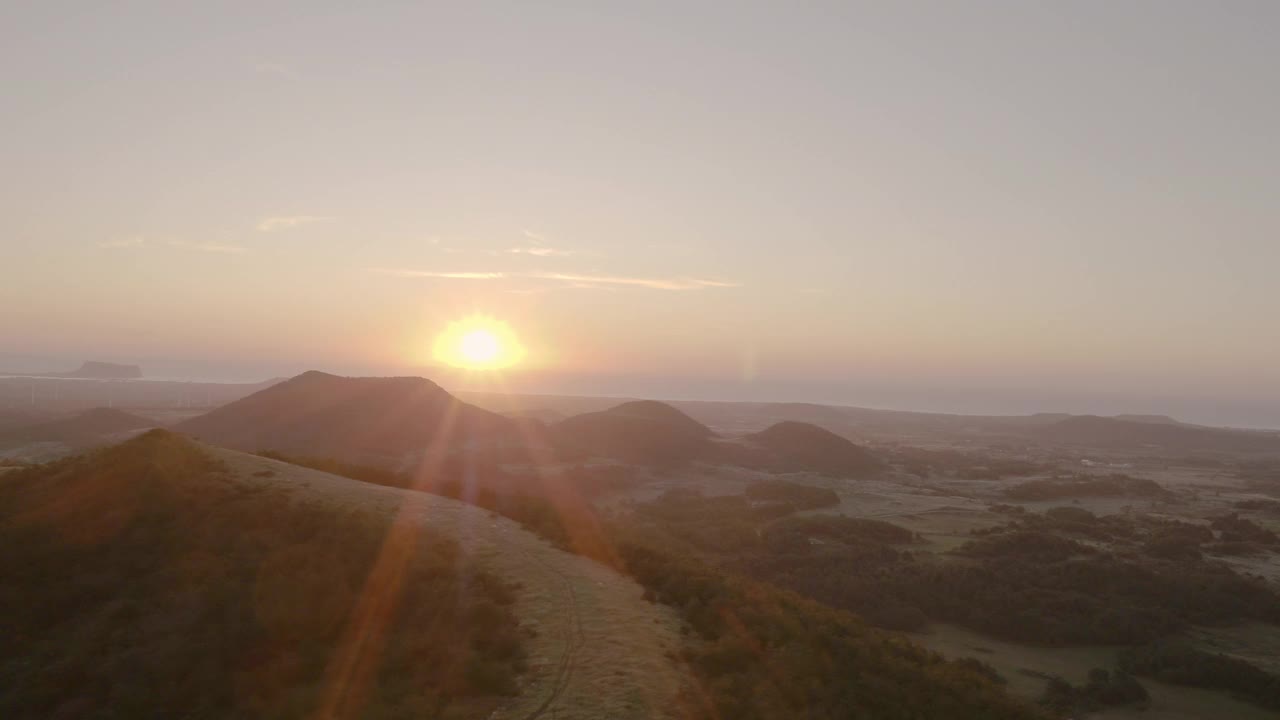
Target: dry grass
(598, 649)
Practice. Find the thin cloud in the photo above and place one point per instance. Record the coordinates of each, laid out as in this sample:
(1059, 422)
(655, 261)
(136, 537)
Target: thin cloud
(211, 247)
(653, 283)
(446, 275)
(138, 241)
(539, 248)
(273, 224)
(540, 251)
(129, 242)
(570, 279)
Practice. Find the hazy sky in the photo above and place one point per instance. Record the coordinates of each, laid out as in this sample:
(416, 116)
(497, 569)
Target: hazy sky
(954, 205)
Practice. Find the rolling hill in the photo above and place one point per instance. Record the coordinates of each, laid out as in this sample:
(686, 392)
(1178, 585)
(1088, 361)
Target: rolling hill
(163, 578)
(795, 445)
(641, 431)
(1104, 432)
(866, 424)
(368, 419)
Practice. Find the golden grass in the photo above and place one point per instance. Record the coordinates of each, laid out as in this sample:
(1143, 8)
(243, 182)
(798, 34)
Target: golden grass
(598, 650)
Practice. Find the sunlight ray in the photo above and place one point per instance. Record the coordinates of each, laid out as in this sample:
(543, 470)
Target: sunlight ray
(355, 661)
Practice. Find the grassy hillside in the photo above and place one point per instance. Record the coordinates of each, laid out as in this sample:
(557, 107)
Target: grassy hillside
(756, 652)
(143, 580)
(596, 648)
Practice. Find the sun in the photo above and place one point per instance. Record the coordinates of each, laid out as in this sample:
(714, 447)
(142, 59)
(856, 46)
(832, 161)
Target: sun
(479, 342)
(479, 347)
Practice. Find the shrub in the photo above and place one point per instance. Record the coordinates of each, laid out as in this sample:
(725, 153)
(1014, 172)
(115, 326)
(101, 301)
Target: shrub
(804, 497)
(1180, 664)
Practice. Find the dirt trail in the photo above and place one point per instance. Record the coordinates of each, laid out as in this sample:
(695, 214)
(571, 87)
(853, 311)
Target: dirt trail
(599, 649)
(574, 639)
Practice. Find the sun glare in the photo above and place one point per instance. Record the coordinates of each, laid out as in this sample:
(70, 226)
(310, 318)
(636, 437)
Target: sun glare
(479, 343)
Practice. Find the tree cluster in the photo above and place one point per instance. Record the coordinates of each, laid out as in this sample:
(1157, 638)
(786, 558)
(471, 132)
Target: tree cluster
(1180, 664)
(1104, 689)
(1114, 485)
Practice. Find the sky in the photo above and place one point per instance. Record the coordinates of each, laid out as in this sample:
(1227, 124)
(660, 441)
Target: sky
(962, 206)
